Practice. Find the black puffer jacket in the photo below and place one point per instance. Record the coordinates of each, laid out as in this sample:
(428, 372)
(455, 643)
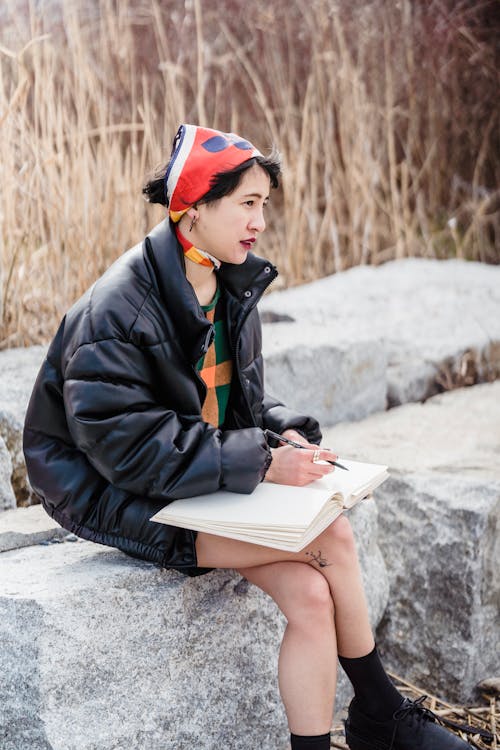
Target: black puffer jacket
(113, 430)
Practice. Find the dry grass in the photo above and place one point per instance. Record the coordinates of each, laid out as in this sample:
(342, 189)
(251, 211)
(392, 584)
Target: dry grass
(386, 114)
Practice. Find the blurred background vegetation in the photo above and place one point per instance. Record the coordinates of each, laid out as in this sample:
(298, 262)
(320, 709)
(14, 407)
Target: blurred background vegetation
(386, 114)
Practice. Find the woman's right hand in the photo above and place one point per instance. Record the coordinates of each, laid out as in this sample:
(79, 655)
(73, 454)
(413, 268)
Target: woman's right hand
(295, 466)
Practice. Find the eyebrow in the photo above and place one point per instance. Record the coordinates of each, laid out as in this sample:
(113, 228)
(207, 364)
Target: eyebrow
(255, 195)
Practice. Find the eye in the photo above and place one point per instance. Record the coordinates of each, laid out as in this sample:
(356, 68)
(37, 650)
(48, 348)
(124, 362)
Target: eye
(249, 202)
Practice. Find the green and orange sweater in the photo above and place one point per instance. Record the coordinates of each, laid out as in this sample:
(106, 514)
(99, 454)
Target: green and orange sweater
(216, 367)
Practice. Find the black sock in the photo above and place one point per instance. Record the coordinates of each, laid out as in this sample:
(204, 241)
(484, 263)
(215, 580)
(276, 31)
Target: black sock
(373, 689)
(318, 742)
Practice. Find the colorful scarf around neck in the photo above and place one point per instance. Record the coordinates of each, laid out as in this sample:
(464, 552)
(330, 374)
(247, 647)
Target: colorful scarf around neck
(193, 253)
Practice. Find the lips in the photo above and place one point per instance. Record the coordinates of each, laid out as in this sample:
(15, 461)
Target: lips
(247, 244)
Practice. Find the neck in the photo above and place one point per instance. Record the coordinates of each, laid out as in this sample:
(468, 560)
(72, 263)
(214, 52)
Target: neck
(201, 277)
(203, 281)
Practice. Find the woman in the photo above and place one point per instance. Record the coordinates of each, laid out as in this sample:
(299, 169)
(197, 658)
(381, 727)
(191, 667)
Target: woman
(152, 390)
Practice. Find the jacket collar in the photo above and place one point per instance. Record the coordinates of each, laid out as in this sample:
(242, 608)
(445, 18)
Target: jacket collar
(164, 256)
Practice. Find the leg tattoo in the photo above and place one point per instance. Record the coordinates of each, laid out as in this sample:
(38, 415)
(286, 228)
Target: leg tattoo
(317, 558)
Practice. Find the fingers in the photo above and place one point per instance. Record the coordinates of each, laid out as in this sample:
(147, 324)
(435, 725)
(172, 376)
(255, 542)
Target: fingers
(294, 435)
(324, 454)
(320, 455)
(316, 465)
(316, 470)
(297, 466)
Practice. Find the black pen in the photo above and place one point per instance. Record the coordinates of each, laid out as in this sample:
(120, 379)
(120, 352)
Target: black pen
(299, 445)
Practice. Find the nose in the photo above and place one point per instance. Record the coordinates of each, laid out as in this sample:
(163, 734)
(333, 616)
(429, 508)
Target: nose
(257, 222)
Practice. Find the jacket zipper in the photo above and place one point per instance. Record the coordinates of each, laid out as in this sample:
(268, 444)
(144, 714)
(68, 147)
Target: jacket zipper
(240, 378)
(208, 340)
(236, 354)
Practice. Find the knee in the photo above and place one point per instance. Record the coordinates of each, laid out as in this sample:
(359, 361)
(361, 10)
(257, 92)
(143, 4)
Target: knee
(312, 599)
(340, 537)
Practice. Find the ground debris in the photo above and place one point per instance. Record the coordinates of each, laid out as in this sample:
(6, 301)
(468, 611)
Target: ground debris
(477, 725)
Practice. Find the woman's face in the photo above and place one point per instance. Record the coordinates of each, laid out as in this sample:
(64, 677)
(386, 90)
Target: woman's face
(229, 227)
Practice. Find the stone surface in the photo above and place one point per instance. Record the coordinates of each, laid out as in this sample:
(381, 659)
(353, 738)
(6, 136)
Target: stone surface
(315, 373)
(439, 522)
(420, 323)
(442, 624)
(18, 371)
(364, 520)
(457, 431)
(99, 651)
(24, 527)
(7, 497)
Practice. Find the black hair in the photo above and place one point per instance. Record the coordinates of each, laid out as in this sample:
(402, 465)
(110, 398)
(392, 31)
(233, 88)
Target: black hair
(221, 184)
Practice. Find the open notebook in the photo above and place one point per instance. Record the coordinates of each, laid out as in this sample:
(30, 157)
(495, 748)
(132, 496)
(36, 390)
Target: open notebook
(277, 515)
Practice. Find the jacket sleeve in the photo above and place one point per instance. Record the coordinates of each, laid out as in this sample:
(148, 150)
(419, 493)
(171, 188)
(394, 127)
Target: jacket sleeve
(278, 418)
(139, 445)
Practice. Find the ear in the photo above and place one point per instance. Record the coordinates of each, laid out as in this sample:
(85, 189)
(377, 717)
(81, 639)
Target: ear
(193, 212)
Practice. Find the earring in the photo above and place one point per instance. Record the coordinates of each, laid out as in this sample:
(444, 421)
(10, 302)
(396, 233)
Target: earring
(193, 222)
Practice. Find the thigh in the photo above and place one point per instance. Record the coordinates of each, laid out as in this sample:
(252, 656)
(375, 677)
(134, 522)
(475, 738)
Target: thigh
(220, 552)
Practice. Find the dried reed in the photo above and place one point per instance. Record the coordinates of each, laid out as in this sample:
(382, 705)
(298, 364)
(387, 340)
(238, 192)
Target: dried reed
(385, 114)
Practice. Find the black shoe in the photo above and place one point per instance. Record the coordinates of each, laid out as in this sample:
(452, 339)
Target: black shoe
(412, 727)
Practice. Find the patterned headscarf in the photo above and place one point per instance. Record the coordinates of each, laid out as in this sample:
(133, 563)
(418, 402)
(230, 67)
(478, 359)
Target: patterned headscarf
(198, 155)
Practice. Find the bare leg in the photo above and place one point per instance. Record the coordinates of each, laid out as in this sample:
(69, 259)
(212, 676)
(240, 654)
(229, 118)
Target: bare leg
(307, 666)
(332, 554)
